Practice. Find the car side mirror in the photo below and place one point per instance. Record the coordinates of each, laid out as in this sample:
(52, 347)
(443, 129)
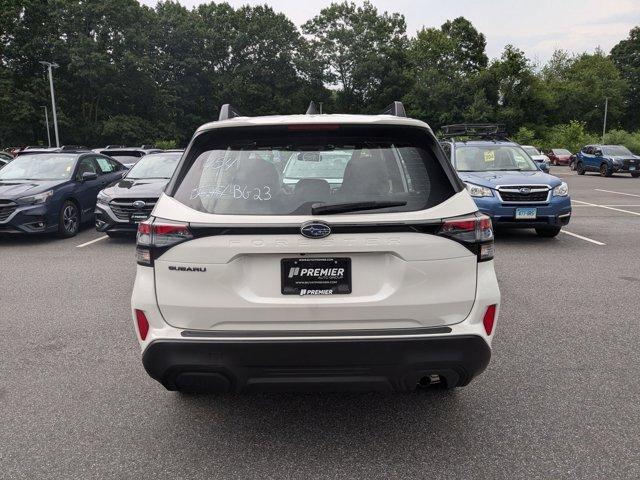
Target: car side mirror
(86, 176)
(544, 167)
(598, 154)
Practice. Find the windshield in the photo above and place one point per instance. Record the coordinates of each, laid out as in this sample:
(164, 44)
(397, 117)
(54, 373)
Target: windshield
(531, 150)
(39, 167)
(561, 151)
(616, 151)
(159, 165)
(273, 171)
(487, 158)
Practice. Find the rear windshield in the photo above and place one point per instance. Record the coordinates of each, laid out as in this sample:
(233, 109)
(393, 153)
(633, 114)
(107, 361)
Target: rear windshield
(125, 157)
(281, 171)
(561, 151)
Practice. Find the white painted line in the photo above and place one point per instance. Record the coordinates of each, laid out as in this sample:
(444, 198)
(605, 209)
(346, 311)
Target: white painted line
(582, 238)
(563, 174)
(619, 193)
(608, 208)
(605, 205)
(92, 241)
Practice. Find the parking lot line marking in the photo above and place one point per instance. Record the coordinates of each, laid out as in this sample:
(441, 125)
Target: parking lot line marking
(92, 241)
(619, 193)
(608, 208)
(582, 238)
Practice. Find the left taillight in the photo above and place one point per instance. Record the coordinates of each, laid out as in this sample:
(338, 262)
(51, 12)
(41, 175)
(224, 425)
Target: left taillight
(156, 236)
(474, 232)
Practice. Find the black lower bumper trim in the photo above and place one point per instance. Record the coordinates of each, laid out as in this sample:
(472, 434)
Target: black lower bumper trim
(291, 364)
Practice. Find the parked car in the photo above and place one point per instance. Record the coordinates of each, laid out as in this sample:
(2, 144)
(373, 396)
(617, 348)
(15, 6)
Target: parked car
(130, 200)
(128, 156)
(384, 280)
(559, 156)
(53, 192)
(5, 158)
(607, 160)
(505, 183)
(541, 159)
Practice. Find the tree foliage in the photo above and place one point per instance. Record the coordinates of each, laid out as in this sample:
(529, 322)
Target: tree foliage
(133, 74)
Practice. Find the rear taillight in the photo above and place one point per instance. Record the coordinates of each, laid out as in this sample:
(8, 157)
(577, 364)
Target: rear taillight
(156, 236)
(475, 233)
(143, 324)
(489, 319)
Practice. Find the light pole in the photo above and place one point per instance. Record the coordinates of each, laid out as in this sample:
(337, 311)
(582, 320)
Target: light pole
(49, 66)
(604, 123)
(46, 120)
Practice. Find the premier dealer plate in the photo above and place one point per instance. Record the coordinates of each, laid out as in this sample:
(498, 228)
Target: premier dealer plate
(316, 276)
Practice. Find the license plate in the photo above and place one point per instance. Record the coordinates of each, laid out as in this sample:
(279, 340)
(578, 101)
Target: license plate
(139, 217)
(315, 276)
(526, 213)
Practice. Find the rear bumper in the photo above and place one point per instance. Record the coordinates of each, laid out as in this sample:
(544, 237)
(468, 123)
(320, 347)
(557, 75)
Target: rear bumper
(342, 363)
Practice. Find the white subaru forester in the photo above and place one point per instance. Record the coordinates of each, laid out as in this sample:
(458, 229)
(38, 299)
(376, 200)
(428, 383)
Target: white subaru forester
(315, 252)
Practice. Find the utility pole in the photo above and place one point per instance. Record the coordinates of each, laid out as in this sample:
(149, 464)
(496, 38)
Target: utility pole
(46, 120)
(49, 66)
(604, 123)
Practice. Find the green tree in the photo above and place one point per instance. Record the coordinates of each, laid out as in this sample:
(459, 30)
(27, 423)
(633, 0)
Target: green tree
(445, 63)
(362, 52)
(626, 56)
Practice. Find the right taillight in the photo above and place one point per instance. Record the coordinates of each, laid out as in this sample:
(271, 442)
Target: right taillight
(156, 236)
(474, 232)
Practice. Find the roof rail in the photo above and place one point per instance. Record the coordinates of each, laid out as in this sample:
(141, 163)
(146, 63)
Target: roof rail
(227, 112)
(482, 130)
(312, 109)
(396, 109)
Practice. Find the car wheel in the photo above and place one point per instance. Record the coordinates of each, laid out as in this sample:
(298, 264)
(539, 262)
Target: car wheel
(580, 168)
(548, 232)
(635, 174)
(68, 220)
(605, 171)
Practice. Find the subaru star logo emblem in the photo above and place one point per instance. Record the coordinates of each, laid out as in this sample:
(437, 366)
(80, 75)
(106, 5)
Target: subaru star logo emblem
(525, 191)
(139, 204)
(315, 230)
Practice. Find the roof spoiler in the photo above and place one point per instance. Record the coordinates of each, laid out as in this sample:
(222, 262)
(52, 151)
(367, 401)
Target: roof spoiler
(227, 112)
(396, 109)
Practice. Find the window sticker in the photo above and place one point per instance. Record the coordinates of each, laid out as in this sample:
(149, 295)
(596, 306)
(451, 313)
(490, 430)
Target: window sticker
(489, 156)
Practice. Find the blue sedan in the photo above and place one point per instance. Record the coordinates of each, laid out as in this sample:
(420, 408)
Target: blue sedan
(53, 192)
(510, 188)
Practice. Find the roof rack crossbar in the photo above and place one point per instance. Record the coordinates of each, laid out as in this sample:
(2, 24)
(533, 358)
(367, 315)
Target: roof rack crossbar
(227, 112)
(396, 109)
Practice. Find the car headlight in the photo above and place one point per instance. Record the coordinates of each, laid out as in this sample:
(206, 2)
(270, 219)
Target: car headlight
(617, 162)
(561, 190)
(103, 198)
(478, 191)
(36, 199)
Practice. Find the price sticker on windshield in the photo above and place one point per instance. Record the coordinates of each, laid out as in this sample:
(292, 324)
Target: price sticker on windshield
(489, 156)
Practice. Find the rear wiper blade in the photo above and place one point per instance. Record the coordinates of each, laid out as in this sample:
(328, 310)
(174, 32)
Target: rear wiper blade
(327, 209)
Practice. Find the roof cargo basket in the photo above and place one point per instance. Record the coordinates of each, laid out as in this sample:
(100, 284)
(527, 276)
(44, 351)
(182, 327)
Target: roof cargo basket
(396, 109)
(482, 130)
(227, 112)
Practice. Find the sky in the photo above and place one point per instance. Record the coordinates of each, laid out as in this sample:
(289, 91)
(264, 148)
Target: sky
(538, 27)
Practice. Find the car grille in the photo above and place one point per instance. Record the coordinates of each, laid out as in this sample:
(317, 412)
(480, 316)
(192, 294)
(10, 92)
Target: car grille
(524, 193)
(7, 207)
(122, 208)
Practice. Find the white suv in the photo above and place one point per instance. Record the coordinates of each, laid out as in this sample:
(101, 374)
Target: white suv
(315, 252)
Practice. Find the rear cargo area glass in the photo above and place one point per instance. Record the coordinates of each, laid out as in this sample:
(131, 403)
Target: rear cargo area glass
(287, 170)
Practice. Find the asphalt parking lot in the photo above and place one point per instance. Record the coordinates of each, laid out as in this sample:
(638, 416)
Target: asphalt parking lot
(559, 400)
